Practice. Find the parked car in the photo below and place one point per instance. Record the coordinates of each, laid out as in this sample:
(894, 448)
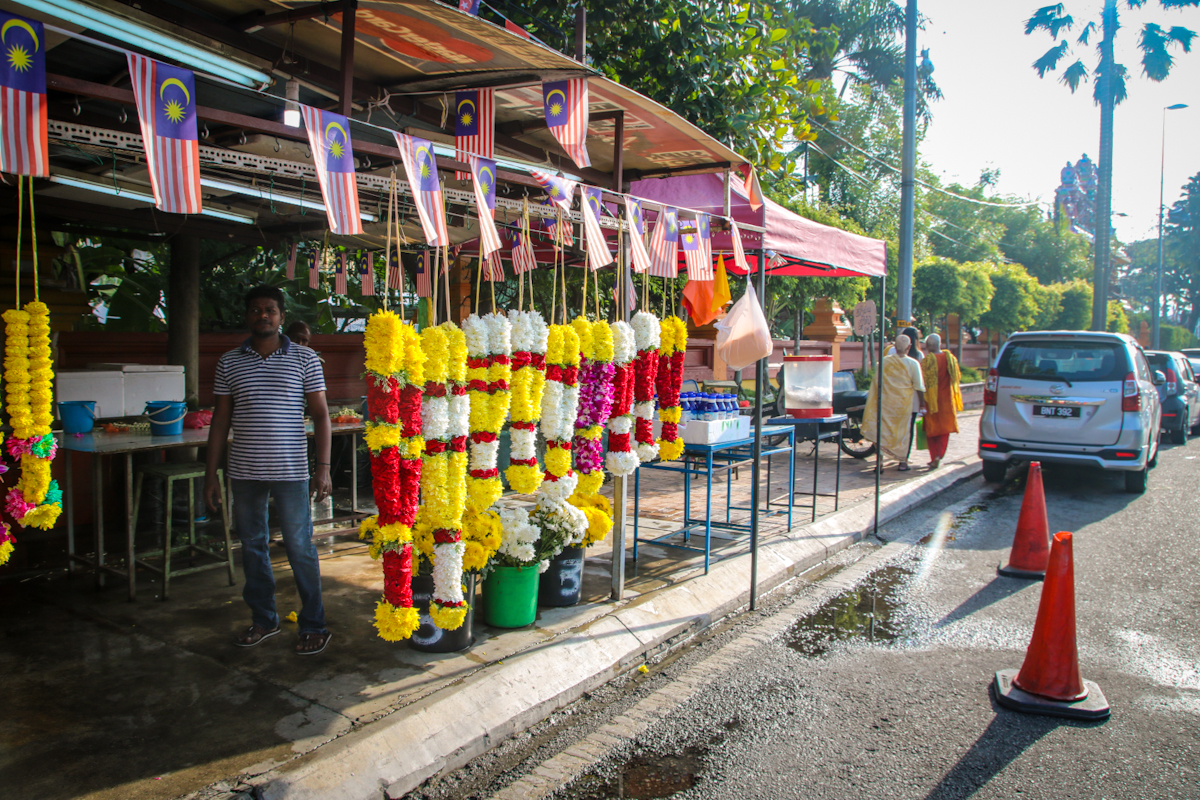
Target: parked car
(1193, 356)
(1180, 395)
(1071, 397)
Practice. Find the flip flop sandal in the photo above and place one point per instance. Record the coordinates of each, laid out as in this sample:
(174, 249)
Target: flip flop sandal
(903, 468)
(254, 635)
(307, 637)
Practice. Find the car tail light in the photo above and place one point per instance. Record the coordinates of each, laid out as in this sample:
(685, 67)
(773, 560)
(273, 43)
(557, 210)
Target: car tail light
(1131, 397)
(1171, 380)
(989, 388)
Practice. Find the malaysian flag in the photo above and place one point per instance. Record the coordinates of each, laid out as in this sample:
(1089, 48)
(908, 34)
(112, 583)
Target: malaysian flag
(697, 249)
(566, 106)
(474, 125)
(483, 176)
(23, 97)
(637, 234)
(739, 253)
(395, 275)
(469, 6)
(597, 248)
(751, 187)
(421, 166)
(333, 157)
(424, 276)
(314, 268)
(366, 273)
(339, 274)
(664, 244)
(560, 190)
(291, 261)
(166, 105)
(522, 251)
(493, 269)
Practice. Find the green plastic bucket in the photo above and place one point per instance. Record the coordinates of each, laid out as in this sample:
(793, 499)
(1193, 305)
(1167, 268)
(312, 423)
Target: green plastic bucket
(510, 597)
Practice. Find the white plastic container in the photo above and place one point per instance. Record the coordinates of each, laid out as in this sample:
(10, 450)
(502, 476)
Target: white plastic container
(808, 386)
(106, 388)
(146, 382)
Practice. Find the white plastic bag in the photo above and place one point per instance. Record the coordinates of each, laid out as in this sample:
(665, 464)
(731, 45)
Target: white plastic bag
(743, 337)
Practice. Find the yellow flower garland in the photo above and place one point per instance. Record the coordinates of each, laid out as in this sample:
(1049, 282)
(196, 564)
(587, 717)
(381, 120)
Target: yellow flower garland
(16, 372)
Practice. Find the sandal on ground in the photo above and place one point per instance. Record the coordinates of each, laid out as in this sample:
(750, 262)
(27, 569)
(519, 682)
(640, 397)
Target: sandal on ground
(937, 462)
(903, 468)
(254, 635)
(312, 643)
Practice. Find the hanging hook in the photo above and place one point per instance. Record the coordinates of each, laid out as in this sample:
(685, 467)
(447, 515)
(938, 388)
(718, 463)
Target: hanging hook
(242, 138)
(76, 109)
(204, 131)
(276, 144)
(124, 117)
(366, 162)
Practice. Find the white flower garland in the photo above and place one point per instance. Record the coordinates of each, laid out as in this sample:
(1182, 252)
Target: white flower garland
(447, 571)
(624, 461)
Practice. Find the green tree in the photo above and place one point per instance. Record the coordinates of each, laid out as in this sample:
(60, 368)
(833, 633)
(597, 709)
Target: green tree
(1155, 43)
(1049, 305)
(1014, 301)
(975, 296)
(937, 289)
(1076, 306)
(1117, 321)
(1181, 262)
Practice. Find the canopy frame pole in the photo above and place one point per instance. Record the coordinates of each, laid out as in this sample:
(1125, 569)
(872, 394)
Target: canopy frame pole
(879, 399)
(621, 312)
(760, 382)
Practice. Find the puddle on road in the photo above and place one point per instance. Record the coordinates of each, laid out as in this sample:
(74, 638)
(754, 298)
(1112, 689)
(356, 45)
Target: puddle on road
(865, 612)
(642, 777)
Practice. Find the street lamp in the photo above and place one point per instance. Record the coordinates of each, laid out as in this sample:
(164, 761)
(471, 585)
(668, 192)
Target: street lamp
(1158, 275)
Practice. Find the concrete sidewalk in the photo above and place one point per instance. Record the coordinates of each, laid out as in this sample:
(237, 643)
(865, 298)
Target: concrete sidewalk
(110, 699)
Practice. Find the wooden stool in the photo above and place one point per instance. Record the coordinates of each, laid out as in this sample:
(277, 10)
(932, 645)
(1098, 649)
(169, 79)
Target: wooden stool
(170, 473)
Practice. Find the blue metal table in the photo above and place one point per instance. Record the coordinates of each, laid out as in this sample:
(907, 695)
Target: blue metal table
(814, 429)
(701, 459)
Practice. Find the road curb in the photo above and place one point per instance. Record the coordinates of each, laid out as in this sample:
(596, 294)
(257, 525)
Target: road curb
(447, 728)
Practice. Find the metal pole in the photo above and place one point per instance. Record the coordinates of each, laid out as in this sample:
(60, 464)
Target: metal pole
(620, 484)
(908, 166)
(346, 93)
(879, 400)
(760, 383)
(1158, 275)
(1102, 215)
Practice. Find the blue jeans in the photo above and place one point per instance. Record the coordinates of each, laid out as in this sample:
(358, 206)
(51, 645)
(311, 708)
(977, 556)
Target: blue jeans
(295, 519)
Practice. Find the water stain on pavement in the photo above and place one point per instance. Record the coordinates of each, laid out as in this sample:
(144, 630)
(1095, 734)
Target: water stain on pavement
(643, 777)
(866, 612)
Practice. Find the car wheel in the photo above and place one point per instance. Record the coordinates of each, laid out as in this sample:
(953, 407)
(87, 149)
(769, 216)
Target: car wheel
(1179, 435)
(1153, 462)
(994, 471)
(1135, 482)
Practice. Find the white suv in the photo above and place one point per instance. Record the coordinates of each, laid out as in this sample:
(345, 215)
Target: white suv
(1071, 397)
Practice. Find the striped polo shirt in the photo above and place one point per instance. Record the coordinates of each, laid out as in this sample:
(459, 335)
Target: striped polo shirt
(269, 441)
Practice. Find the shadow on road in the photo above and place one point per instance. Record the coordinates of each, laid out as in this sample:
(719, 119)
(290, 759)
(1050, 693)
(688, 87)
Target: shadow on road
(1005, 739)
(999, 589)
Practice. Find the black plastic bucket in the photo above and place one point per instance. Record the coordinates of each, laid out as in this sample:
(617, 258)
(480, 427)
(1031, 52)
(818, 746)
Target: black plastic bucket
(562, 583)
(429, 638)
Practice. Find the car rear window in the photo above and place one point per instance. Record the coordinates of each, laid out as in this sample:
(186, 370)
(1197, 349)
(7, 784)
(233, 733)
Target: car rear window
(1070, 361)
(1159, 361)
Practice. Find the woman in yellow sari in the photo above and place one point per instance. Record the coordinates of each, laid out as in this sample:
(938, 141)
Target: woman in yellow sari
(943, 398)
(902, 385)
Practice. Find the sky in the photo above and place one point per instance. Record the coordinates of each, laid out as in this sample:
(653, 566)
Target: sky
(997, 113)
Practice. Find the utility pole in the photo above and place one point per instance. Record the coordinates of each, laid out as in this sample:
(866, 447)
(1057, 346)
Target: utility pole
(1156, 325)
(908, 168)
(1102, 217)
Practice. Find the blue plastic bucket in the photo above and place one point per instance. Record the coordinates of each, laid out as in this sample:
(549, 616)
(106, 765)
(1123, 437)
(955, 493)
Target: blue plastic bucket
(166, 417)
(78, 416)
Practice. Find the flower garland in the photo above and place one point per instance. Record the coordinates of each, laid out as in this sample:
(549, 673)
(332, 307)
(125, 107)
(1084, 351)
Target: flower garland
(598, 513)
(529, 339)
(647, 333)
(596, 373)
(36, 500)
(621, 459)
(395, 365)
(670, 379)
(489, 370)
(560, 405)
(444, 417)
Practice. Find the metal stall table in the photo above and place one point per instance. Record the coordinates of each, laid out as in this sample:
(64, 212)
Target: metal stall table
(815, 429)
(700, 459)
(100, 444)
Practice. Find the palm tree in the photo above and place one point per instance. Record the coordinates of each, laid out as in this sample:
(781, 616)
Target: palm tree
(1155, 42)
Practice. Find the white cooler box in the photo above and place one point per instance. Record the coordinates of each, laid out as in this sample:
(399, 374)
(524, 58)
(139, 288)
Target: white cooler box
(146, 382)
(105, 387)
(715, 432)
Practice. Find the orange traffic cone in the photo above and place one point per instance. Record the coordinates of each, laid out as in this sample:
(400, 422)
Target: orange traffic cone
(1049, 681)
(1031, 544)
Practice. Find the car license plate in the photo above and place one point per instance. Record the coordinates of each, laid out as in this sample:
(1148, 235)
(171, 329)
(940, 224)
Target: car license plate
(1058, 412)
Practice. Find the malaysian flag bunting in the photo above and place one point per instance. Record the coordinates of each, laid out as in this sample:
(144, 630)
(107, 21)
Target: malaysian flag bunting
(597, 248)
(23, 97)
(421, 167)
(291, 261)
(560, 190)
(522, 251)
(333, 158)
(314, 269)
(751, 187)
(637, 235)
(395, 278)
(493, 269)
(366, 273)
(739, 253)
(474, 125)
(166, 106)
(566, 106)
(483, 177)
(664, 245)
(469, 6)
(697, 249)
(339, 274)
(424, 276)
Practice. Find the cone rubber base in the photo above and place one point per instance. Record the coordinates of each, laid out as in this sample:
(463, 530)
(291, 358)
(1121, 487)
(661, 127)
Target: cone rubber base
(1094, 706)
(1012, 572)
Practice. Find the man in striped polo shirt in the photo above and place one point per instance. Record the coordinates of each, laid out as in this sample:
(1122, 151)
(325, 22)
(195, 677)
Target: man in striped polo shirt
(261, 389)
